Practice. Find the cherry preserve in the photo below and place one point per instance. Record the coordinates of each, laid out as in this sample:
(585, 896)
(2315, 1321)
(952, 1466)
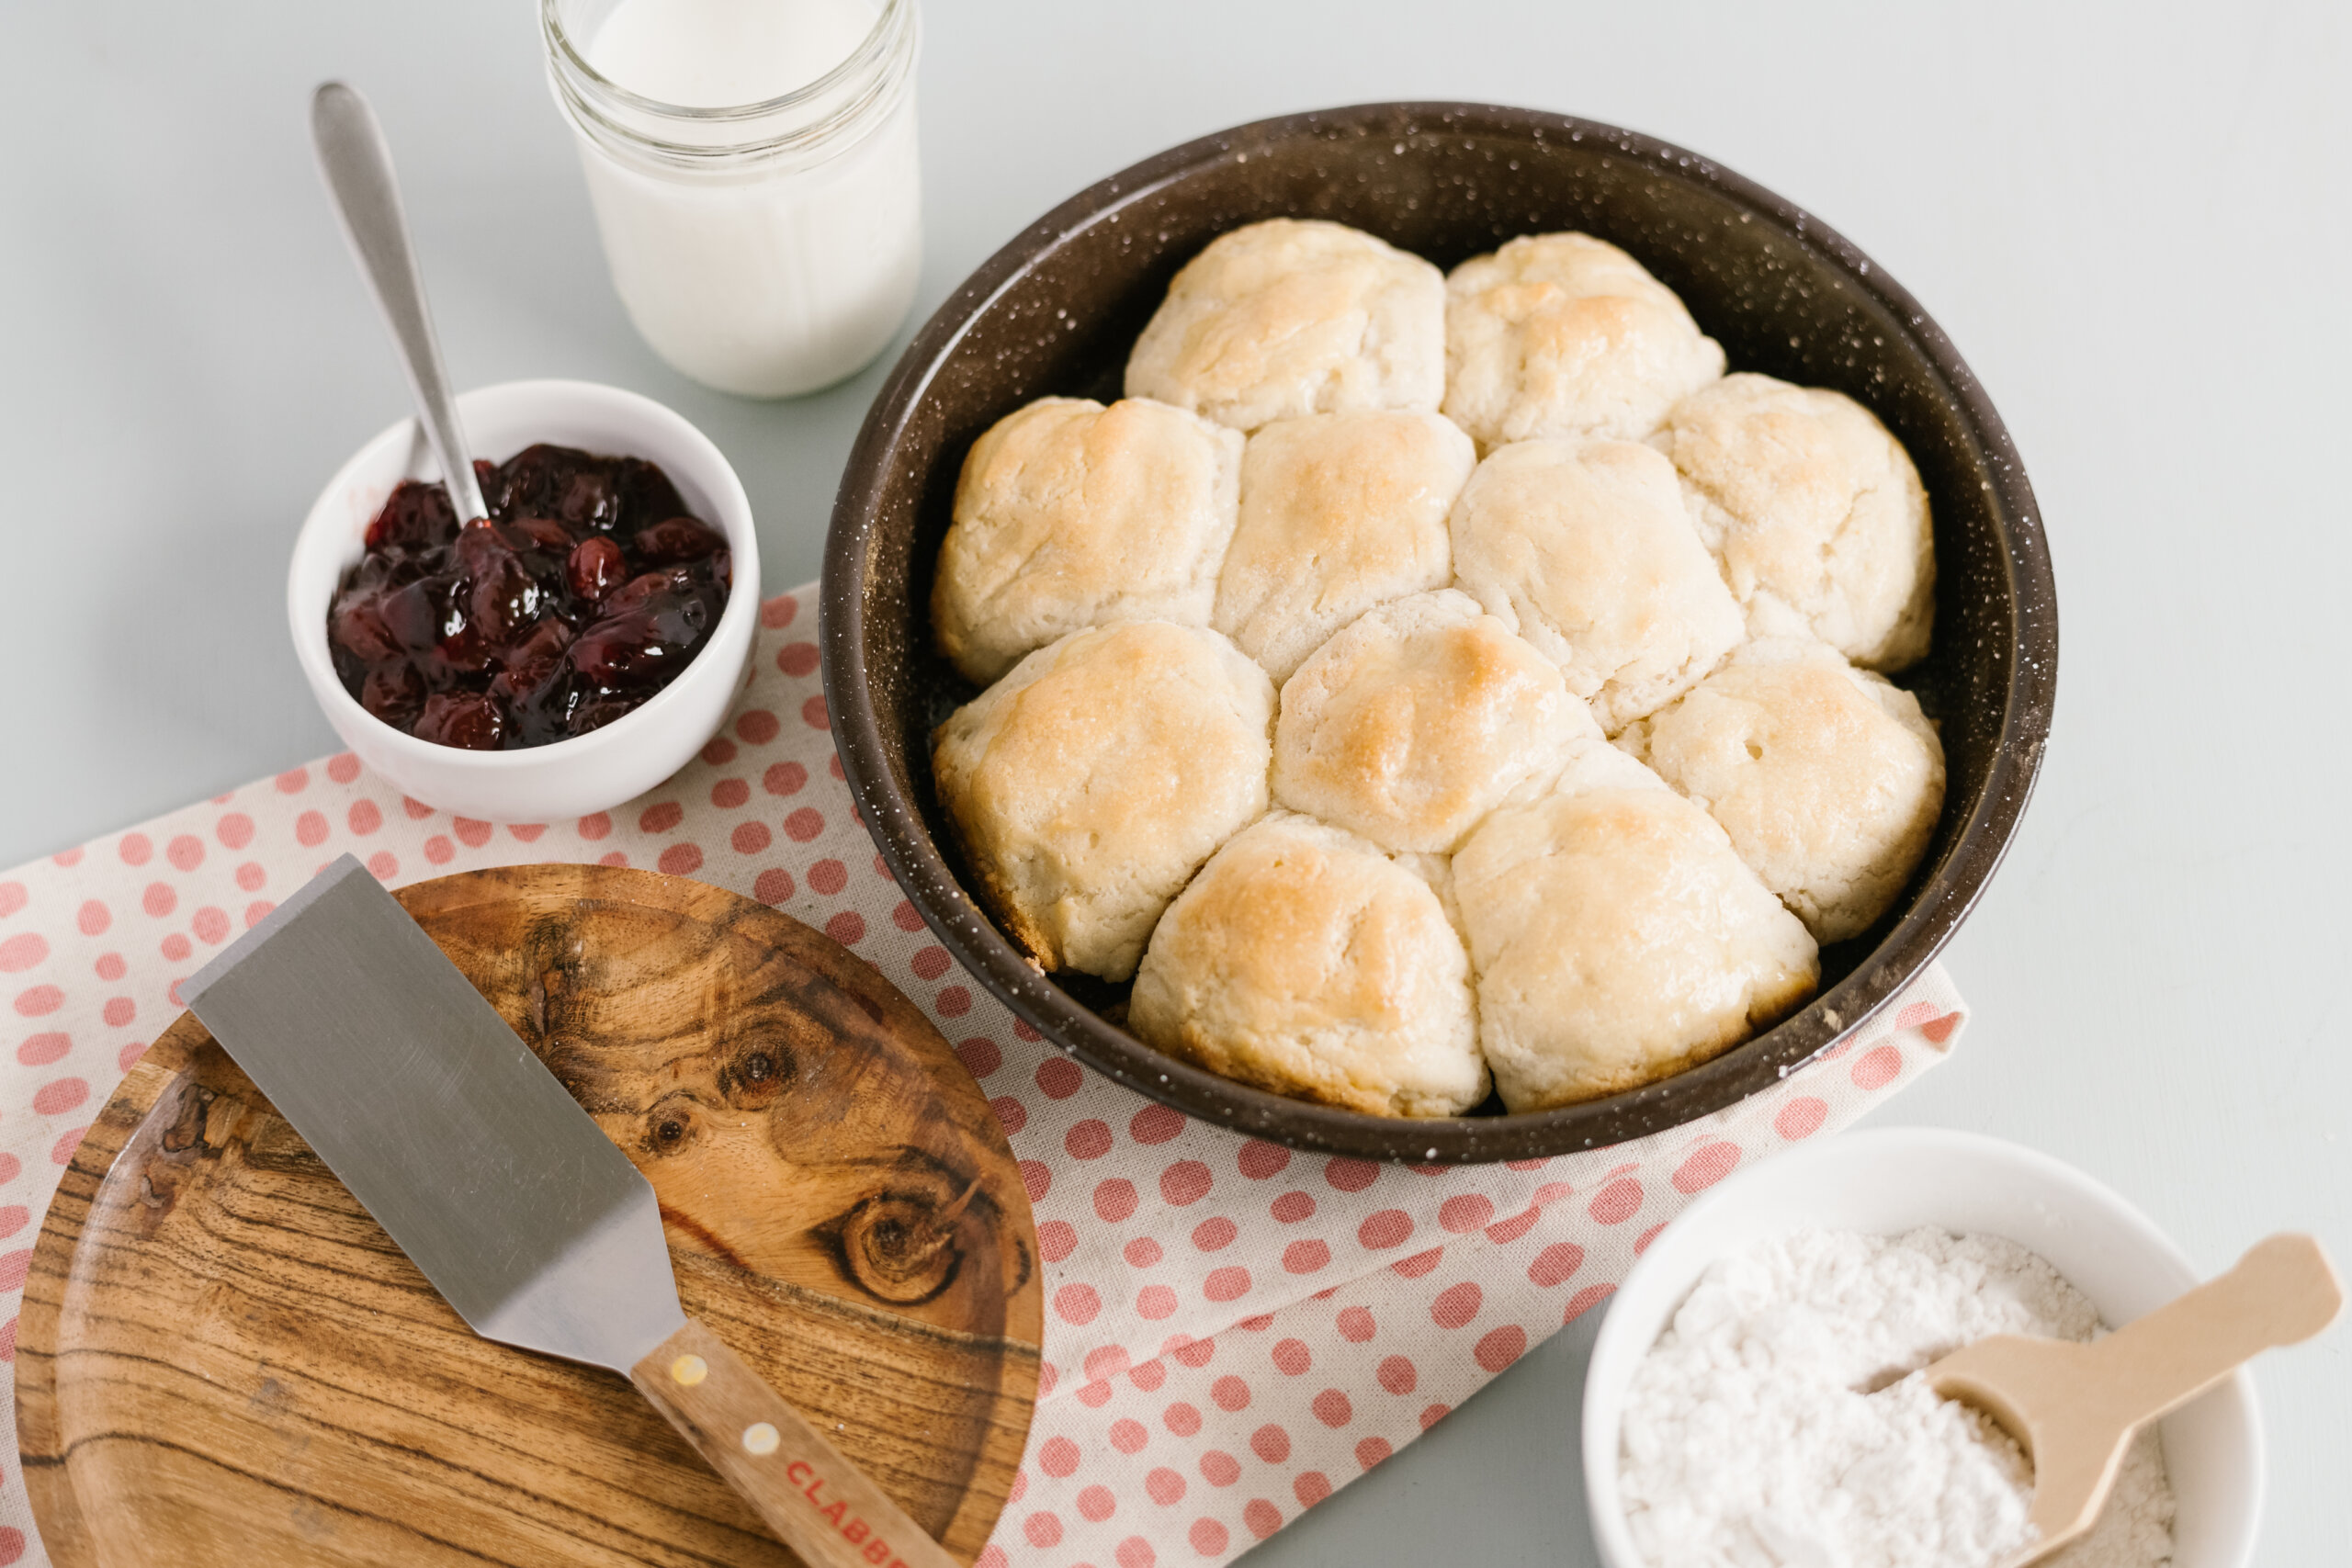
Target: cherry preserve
(586, 591)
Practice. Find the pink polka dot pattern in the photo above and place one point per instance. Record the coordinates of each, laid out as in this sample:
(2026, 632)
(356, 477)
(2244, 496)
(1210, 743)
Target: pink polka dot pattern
(1556, 1264)
(1704, 1169)
(1618, 1201)
(1186, 1181)
(1584, 1301)
(1456, 1305)
(1227, 1284)
(1260, 1159)
(1877, 1068)
(1465, 1212)
(1114, 1199)
(1800, 1118)
(1501, 1347)
(1215, 1304)
(1306, 1257)
(40, 1049)
(1152, 1124)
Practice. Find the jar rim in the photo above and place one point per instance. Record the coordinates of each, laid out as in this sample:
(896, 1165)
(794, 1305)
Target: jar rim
(864, 58)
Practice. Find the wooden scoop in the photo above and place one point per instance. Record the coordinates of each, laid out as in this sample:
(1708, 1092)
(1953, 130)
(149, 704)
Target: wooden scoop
(2074, 1406)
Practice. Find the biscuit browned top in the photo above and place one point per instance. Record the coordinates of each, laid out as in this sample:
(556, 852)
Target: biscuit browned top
(1292, 317)
(1090, 783)
(1418, 720)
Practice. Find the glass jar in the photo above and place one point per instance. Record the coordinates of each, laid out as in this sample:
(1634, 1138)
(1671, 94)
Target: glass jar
(765, 249)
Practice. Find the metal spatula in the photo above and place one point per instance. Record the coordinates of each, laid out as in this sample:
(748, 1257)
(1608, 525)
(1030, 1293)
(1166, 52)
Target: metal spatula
(507, 1195)
(2072, 1407)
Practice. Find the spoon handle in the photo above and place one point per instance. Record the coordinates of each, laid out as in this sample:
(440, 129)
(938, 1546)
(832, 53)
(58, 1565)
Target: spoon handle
(358, 169)
(2283, 1291)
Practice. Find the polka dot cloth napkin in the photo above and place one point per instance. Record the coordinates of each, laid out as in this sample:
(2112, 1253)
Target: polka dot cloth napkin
(1233, 1330)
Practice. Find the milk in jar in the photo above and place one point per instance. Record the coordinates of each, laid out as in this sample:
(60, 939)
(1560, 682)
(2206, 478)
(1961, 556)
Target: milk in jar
(752, 166)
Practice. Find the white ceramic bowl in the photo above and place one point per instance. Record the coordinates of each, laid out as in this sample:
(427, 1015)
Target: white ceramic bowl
(589, 772)
(1882, 1182)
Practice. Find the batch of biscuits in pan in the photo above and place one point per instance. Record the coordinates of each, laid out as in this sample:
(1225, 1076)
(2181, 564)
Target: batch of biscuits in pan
(1425, 685)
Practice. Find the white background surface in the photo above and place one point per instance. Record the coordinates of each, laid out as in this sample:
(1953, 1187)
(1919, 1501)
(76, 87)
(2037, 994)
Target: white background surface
(2131, 219)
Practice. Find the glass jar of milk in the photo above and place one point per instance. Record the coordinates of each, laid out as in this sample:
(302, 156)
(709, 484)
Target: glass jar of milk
(753, 171)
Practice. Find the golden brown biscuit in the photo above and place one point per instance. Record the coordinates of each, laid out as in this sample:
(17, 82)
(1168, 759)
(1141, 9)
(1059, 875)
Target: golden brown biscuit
(1617, 937)
(1070, 515)
(1339, 511)
(1565, 335)
(1418, 720)
(1304, 959)
(1091, 781)
(1292, 317)
(1828, 778)
(1815, 513)
(1582, 547)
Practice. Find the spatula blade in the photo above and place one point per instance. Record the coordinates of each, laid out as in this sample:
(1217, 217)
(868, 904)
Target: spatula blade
(441, 1122)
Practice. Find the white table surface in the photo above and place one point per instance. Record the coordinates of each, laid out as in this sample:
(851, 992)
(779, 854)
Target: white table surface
(2132, 221)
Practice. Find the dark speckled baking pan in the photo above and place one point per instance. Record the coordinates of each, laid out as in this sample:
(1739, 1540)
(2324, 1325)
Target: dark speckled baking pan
(1055, 310)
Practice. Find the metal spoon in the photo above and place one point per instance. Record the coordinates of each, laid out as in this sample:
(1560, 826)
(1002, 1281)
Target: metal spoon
(358, 169)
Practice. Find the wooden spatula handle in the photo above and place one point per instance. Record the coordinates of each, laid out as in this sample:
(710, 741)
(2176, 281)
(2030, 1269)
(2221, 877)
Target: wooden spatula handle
(816, 1501)
(2281, 1292)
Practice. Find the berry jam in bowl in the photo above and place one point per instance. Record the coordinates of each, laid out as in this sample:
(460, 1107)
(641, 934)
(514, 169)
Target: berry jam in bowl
(586, 591)
(570, 654)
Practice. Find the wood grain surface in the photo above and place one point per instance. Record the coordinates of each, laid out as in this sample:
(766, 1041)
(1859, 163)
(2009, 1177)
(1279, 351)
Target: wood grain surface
(223, 1359)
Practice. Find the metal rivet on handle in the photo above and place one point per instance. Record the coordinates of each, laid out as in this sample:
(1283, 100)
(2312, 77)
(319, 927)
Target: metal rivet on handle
(688, 1370)
(758, 1437)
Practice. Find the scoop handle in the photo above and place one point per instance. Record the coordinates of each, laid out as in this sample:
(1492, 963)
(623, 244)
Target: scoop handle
(818, 1504)
(2281, 1292)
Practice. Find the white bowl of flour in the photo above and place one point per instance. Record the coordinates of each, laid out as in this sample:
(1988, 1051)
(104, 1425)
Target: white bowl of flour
(1808, 1244)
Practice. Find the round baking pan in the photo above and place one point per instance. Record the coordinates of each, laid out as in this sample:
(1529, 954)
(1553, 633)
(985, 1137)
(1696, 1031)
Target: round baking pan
(1054, 312)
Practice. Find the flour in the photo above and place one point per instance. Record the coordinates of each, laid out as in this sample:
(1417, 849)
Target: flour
(1774, 1425)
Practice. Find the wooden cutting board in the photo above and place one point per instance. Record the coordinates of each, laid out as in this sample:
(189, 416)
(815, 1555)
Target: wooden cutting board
(223, 1360)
